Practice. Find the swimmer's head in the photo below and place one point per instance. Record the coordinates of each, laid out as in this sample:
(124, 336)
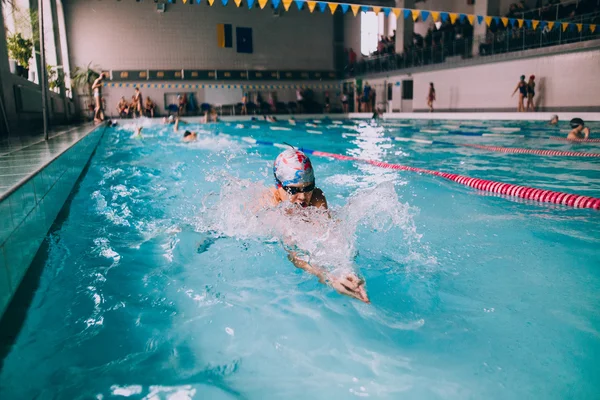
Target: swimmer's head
(522, 77)
(576, 123)
(532, 77)
(554, 119)
(137, 89)
(189, 136)
(171, 118)
(293, 167)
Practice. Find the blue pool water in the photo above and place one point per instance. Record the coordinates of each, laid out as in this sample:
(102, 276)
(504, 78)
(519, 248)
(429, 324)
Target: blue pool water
(159, 284)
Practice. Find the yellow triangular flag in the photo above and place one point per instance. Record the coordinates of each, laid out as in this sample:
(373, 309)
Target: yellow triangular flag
(593, 28)
(333, 7)
(550, 25)
(376, 10)
(311, 5)
(211, 2)
(435, 16)
(397, 12)
(504, 21)
(535, 23)
(453, 17)
(286, 4)
(565, 25)
(471, 18)
(579, 27)
(355, 9)
(415, 14)
(262, 3)
(184, 1)
(520, 21)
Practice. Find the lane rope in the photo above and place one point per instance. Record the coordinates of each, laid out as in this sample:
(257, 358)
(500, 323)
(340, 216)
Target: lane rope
(508, 189)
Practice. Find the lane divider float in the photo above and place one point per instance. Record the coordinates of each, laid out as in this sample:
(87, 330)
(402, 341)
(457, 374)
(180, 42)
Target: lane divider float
(574, 140)
(508, 189)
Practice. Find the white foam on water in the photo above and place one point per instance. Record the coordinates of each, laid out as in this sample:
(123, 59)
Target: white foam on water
(507, 129)
(125, 391)
(280, 128)
(315, 132)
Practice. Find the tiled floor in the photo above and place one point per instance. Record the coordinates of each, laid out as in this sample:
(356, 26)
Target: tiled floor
(19, 162)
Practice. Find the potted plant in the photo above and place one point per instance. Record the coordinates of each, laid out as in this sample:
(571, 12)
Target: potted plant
(56, 77)
(83, 78)
(20, 50)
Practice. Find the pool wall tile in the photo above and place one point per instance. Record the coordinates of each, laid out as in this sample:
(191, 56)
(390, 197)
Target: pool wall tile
(30, 211)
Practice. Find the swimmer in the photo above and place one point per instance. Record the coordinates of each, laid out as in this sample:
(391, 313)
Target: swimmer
(522, 89)
(295, 183)
(138, 132)
(188, 136)
(377, 114)
(292, 121)
(269, 118)
(554, 120)
(170, 120)
(580, 131)
(211, 116)
(97, 90)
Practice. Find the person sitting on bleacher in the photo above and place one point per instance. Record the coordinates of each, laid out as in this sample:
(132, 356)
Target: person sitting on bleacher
(182, 103)
(123, 108)
(149, 107)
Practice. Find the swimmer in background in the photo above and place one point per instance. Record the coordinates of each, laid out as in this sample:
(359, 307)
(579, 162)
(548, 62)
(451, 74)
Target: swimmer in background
(531, 93)
(295, 183)
(431, 97)
(377, 114)
(97, 90)
(211, 116)
(269, 118)
(554, 120)
(522, 88)
(138, 132)
(579, 130)
(170, 120)
(292, 121)
(188, 136)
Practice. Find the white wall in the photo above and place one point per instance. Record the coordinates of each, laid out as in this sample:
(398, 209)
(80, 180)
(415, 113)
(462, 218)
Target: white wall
(563, 82)
(352, 32)
(130, 35)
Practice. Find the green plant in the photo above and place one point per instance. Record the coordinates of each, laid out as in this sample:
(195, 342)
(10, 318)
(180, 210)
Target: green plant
(83, 78)
(20, 49)
(56, 77)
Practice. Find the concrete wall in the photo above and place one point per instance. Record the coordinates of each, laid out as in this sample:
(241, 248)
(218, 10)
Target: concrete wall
(564, 82)
(131, 35)
(28, 213)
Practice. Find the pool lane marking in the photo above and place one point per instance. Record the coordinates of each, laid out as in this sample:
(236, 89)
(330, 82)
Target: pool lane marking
(509, 189)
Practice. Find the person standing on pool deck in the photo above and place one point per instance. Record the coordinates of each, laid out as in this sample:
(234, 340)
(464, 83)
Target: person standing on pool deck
(530, 93)
(579, 130)
(295, 183)
(431, 97)
(97, 90)
(554, 120)
(522, 88)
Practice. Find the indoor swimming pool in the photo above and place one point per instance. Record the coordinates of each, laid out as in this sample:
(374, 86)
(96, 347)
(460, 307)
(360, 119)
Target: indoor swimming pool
(163, 279)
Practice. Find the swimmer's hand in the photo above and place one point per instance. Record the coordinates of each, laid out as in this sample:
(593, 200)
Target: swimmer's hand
(350, 285)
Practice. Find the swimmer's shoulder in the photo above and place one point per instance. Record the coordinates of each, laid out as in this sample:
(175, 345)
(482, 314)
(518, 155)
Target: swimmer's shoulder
(318, 199)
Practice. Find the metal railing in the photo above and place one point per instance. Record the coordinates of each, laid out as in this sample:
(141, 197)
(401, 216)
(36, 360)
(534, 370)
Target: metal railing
(444, 47)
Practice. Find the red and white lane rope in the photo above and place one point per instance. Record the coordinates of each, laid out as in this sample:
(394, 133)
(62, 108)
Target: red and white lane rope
(575, 140)
(539, 152)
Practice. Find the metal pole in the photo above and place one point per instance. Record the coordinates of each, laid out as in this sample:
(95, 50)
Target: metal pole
(42, 73)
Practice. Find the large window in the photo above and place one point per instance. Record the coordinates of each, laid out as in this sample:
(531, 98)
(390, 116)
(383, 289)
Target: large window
(21, 31)
(369, 33)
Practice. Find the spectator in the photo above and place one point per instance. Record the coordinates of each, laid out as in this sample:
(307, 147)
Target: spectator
(327, 105)
(345, 102)
(137, 101)
(431, 97)
(97, 90)
(300, 100)
(244, 110)
(149, 107)
(123, 108)
(522, 88)
(530, 93)
(182, 104)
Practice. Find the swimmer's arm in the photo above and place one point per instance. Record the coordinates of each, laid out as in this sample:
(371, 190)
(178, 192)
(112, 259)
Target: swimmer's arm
(586, 133)
(318, 200)
(176, 126)
(517, 88)
(316, 271)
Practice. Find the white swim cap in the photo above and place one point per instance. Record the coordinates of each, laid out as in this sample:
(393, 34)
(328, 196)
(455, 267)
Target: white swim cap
(292, 167)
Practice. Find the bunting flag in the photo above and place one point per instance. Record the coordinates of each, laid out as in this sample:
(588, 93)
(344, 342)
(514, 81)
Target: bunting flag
(345, 8)
(376, 10)
(261, 3)
(386, 11)
(520, 22)
(276, 3)
(528, 23)
(397, 12)
(504, 21)
(480, 19)
(333, 7)
(543, 24)
(197, 1)
(572, 27)
(444, 16)
(488, 20)
(184, 1)
(424, 15)
(550, 25)
(564, 26)
(415, 15)
(453, 17)
(238, 2)
(593, 28)
(579, 27)
(354, 9)
(535, 24)
(365, 9)
(513, 22)
(250, 3)
(471, 19)
(435, 16)
(322, 6)
(299, 4)
(211, 2)
(286, 4)
(496, 20)
(406, 13)
(311, 5)
(224, 2)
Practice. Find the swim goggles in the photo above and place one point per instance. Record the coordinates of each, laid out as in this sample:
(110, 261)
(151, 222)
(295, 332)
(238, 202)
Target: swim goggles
(295, 190)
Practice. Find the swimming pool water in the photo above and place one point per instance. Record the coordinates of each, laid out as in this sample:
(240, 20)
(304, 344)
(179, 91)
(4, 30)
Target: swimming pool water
(159, 284)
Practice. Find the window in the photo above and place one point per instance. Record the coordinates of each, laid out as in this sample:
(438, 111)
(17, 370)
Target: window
(369, 31)
(64, 50)
(21, 27)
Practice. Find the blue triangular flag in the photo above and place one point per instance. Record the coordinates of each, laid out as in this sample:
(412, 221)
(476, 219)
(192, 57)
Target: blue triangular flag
(543, 24)
(406, 13)
(461, 18)
(299, 4)
(424, 15)
(512, 21)
(528, 23)
(275, 3)
(480, 19)
(322, 6)
(444, 16)
(198, 1)
(345, 8)
(572, 27)
(224, 2)
(386, 11)
(365, 9)
(250, 3)
(170, 1)
(497, 21)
